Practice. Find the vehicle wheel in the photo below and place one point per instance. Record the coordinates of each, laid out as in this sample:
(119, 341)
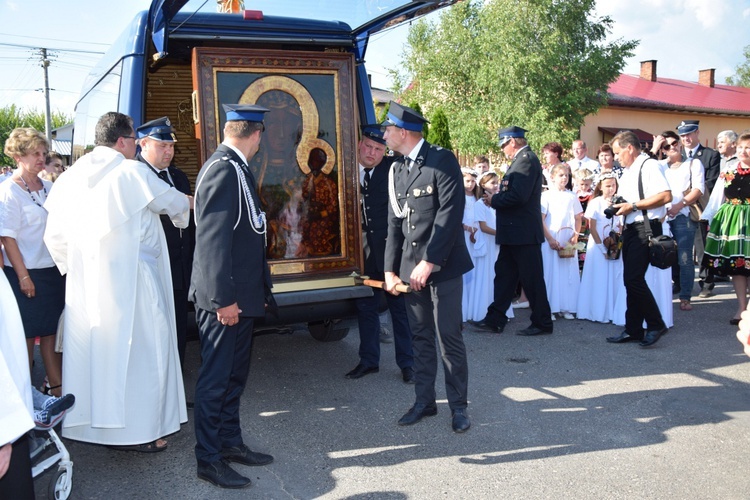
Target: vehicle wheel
(60, 485)
(326, 331)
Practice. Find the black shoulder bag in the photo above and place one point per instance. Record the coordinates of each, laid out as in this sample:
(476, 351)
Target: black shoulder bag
(662, 250)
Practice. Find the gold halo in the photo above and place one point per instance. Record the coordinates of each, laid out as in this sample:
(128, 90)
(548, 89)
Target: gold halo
(310, 118)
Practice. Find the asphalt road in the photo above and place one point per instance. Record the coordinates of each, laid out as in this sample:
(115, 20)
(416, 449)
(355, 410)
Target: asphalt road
(559, 416)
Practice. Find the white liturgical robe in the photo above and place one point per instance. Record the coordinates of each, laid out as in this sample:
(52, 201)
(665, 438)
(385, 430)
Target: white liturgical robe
(119, 343)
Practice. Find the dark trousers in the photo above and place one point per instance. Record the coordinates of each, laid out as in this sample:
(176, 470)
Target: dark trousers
(369, 329)
(641, 304)
(225, 352)
(17, 482)
(705, 274)
(524, 263)
(181, 319)
(435, 314)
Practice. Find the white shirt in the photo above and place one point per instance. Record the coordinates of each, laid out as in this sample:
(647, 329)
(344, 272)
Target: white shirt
(654, 182)
(415, 152)
(23, 220)
(362, 174)
(689, 175)
(586, 162)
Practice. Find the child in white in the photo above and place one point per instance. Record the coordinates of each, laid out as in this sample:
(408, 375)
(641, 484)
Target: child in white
(562, 215)
(486, 251)
(602, 278)
(471, 192)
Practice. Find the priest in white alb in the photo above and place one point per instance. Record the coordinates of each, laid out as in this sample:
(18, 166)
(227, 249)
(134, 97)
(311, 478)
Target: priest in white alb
(119, 342)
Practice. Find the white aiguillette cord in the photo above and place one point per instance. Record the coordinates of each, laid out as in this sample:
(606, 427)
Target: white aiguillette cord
(256, 217)
(397, 210)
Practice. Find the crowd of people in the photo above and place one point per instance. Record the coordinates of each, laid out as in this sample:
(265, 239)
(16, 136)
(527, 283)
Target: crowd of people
(108, 254)
(598, 210)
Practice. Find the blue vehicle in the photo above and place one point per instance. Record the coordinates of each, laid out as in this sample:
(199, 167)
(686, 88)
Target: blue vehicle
(304, 60)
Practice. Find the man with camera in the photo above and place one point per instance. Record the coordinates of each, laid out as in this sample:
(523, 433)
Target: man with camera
(641, 304)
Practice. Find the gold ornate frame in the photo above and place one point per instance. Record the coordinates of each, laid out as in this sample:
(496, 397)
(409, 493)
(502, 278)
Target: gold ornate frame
(286, 71)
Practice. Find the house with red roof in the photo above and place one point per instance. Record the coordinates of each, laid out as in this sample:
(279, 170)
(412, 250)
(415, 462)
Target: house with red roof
(649, 105)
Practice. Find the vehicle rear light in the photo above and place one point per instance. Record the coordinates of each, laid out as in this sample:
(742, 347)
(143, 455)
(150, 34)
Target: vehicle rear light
(252, 15)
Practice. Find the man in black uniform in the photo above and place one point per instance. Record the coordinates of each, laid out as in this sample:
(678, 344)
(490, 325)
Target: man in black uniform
(230, 287)
(520, 236)
(157, 139)
(689, 133)
(373, 174)
(426, 248)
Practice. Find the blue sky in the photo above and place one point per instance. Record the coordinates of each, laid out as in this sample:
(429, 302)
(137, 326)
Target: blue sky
(685, 36)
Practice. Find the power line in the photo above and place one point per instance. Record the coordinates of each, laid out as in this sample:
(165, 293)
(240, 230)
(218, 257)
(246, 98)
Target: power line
(56, 50)
(54, 39)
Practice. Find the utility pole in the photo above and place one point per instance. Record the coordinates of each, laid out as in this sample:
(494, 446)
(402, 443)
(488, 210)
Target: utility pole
(47, 116)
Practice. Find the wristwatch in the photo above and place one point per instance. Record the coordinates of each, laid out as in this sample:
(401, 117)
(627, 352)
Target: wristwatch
(634, 206)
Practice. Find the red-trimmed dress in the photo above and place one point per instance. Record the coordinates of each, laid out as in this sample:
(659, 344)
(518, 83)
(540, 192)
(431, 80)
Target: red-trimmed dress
(727, 250)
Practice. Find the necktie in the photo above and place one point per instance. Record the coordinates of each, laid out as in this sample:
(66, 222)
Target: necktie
(366, 181)
(163, 176)
(690, 155)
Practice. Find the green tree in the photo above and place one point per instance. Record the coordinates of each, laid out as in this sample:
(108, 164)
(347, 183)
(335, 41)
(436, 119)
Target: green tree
(416, 107)
(439, 130)
(14, 117)
(741, 77)
(539, 64)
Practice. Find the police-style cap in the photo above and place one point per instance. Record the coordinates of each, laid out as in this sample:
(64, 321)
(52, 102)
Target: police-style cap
(244, 112)
(374, 132)
(506, 134)
(687, 126)
(404, 117)
(159, 130)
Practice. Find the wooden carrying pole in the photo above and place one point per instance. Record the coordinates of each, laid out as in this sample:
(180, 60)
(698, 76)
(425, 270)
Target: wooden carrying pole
(381, 284)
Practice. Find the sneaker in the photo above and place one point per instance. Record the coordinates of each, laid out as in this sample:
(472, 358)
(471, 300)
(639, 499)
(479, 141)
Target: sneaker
(520, 305)
(554, 317)
(385, 336)
(705, 293)
(53, 410)
(568, 315)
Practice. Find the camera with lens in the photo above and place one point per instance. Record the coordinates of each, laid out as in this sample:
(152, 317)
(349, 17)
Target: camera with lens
(611, 211)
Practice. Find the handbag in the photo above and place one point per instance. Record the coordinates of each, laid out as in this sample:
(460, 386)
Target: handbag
(613, 245)
(696, 208)
(662, 250)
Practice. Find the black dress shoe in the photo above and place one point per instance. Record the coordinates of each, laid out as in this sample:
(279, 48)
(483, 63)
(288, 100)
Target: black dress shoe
(361, 370)
(622, 338)
(220, 474)
(408, 375)
(487, 326)
(460, 420)
(651, 337)
(190, 405)
(417, 413)
(243, 455)
(534, 330)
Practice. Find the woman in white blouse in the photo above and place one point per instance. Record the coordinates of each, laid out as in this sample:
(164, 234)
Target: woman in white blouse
(36, 283)
(686, 180)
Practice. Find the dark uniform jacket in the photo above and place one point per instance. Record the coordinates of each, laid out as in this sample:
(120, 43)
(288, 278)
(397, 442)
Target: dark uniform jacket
(180, 242)
(518, 203)
(375, 218)
(711, 160)
(229, 264)
(432, 230)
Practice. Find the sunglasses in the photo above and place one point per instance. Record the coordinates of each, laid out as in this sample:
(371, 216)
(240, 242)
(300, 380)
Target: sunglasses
(669, 145)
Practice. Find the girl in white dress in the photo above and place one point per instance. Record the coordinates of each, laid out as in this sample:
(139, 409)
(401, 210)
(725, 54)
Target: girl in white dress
(486, 251)
(471, 192)
(602, 278)
(562, 215)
